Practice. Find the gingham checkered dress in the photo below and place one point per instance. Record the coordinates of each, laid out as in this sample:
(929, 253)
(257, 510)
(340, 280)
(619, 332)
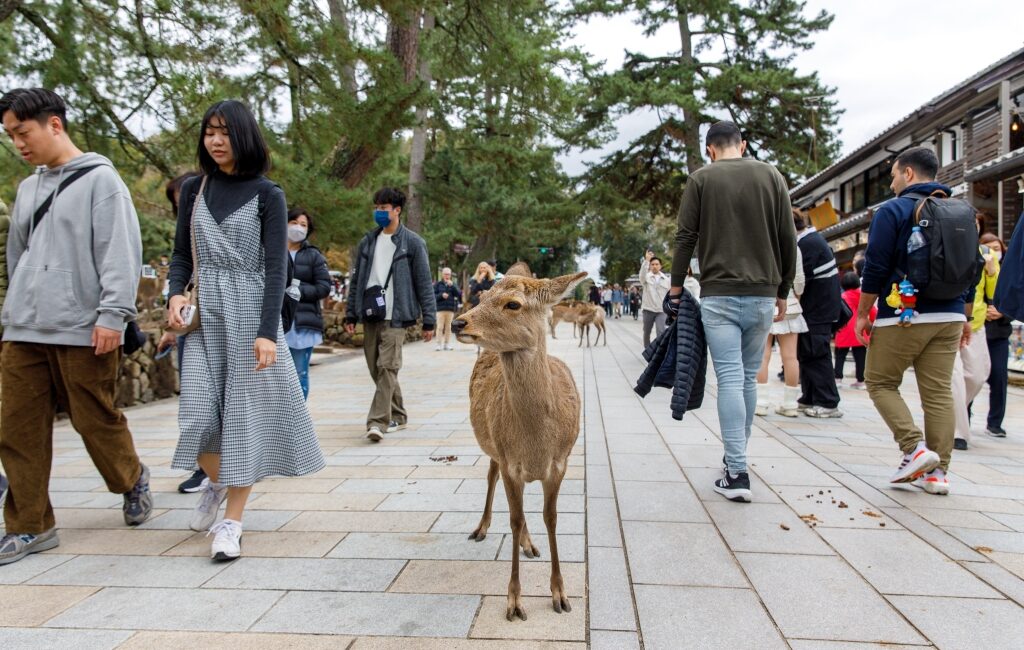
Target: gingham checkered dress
(257, 421)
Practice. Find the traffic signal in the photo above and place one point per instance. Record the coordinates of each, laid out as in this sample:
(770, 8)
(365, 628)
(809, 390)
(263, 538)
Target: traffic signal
(545, 250)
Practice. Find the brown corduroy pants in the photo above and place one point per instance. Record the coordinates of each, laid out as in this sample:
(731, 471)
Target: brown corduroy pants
(36, 378)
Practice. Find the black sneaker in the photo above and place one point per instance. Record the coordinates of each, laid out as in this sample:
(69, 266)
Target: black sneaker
(959, 444)
(193, 483)
(138, 504)
(995, 432)
(734, 487)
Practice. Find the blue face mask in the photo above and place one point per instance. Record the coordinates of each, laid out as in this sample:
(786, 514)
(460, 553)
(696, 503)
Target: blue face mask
(382, 217)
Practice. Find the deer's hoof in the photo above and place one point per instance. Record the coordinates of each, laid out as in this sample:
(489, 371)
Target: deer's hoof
(515, 608)
(561, 604)
(531, 551)
(478, 535)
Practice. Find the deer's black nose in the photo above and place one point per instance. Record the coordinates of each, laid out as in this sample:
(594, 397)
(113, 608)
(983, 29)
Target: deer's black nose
(458, 325)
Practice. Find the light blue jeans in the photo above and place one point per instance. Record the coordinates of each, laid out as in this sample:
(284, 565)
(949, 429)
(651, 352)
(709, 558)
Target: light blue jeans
(301, 358)
(736, 328)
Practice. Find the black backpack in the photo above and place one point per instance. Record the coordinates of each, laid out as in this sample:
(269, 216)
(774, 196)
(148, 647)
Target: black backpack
(948, 263)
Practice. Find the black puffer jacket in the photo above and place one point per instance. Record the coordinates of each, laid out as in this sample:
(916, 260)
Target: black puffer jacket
(678, 359)
(311, 270)
(451, 303)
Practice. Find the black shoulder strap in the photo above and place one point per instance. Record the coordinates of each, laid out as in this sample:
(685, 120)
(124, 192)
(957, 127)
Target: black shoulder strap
(45, 206)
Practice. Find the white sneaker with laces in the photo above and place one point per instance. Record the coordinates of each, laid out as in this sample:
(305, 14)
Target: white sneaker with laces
(934, 482)
(227, 541)
(374, 434)
(761, 408)
(917, 463)
(211, 495)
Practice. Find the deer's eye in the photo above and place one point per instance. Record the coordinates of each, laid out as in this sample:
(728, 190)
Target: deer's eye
(513, 305)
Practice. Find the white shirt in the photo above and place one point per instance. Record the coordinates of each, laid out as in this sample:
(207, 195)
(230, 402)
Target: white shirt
(655, 288)
(383, 256)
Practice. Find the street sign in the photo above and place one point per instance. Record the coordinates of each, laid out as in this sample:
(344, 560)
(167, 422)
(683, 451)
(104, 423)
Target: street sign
(462, 249)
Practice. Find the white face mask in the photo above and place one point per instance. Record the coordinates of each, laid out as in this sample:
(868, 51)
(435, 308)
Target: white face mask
(296, 234)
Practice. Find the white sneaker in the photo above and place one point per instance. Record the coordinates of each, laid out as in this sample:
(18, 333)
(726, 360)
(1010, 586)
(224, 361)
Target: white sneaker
(374, 434)
(913, 465)
(823, 412)
(934, 482)
(227, 543)
(438, 348)
(788, 410)
(448, 347)
(211, 495)
(761, 408)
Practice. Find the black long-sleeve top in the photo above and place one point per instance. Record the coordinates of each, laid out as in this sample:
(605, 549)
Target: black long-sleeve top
(224, 195)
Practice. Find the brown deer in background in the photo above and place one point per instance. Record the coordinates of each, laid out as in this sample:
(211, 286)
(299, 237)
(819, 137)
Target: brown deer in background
(525, 411)
(564, 312)
(591, 315)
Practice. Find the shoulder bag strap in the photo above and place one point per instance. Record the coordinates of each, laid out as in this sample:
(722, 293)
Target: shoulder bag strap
(44, 207)
(195, 256)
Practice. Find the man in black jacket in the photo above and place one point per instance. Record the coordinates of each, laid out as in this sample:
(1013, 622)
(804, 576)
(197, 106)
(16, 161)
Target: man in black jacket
(390, 265)
(820, 304)
(448, 296)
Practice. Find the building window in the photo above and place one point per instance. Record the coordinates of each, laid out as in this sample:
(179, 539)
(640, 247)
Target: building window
(949, 149)
(878, 183)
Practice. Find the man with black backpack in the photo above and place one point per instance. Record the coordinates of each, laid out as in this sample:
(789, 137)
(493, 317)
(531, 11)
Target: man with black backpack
(922, 260)
(74, 253)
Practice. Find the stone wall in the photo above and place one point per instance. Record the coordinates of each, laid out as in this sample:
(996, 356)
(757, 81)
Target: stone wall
(143, 379)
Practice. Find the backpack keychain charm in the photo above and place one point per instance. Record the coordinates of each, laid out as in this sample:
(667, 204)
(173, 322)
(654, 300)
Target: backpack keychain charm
(908, 301)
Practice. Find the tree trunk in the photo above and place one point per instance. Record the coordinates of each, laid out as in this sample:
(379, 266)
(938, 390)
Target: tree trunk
(414, 217)
(7, 8)
(339, 15)
(295, 95)
(691, 120)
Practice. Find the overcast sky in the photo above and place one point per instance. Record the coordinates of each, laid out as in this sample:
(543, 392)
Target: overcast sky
(884, 58)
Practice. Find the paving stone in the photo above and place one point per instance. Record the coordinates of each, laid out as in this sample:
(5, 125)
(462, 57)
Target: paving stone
(1013, 522)
(308, 574)
(412, 615)
(18, 638)
(790, 471)
(917, 563)
(479, 486)
(765, 528)
(474, 503)
(418, 546)
(125, 541)
(679, 554)
(30, 566)
(32, 605)
(1000, 578)
(611, 598)
(603, 523)
(363, 522)
(607, 640)
(1011, 542)
(234, 641)
(963, 518)
(599, 483)
(571, 548)
(255, 520)
(570, 523)
(796, 644)
(635, 443)
(118, 608)
(399, 486)
(409, 643)
(964, 623)
(692, 617)
(656, 501)
(822, 598)
(266, 544)
(699, 456)
(305, 484)
(130, 571)
(823, 502)
(542, 623)
(482, 577)
(309, 502)
(646, 467)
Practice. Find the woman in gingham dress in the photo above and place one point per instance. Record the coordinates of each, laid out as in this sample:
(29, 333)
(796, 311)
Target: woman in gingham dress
(241, 419)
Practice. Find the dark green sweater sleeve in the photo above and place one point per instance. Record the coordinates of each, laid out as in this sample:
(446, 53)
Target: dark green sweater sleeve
(787, 238)
(688, 231)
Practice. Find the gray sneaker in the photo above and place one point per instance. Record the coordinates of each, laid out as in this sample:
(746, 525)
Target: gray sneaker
(3, 486)
(823, 412)
(13, 547)
(211, 495)
(138, 503)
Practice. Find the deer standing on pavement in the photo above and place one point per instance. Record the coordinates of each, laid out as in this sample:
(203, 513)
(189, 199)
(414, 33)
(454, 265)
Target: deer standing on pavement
(591, 315)
(525, 411)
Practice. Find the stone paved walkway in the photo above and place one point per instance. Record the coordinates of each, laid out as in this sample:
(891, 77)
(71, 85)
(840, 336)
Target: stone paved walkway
(372, 551)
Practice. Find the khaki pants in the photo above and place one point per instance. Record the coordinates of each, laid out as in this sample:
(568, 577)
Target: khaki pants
(36, 378)
(444, 326)
(930, 348)
(382, 345)
(970, 371)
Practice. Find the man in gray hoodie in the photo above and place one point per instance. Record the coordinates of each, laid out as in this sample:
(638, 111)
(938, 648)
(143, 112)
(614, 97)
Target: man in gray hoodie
(74, 254)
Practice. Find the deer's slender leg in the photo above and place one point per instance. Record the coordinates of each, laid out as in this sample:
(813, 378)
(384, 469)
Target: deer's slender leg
(514, 492)
(485, 521)
(559, 597)
(526, 542)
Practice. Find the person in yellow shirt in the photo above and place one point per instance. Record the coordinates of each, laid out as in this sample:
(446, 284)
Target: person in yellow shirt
(973, 363)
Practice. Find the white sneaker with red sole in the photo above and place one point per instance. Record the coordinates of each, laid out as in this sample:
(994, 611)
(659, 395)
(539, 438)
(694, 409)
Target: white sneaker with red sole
(918, 463)
(934, 482)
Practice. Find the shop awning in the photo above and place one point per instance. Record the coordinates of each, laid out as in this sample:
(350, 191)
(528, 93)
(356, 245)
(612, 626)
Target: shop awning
(999, 167)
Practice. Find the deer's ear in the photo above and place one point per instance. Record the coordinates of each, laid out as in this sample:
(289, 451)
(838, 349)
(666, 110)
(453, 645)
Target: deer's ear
(558, 287)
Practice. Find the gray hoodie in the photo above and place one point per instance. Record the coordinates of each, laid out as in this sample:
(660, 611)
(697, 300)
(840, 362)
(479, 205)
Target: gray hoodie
(80, 268)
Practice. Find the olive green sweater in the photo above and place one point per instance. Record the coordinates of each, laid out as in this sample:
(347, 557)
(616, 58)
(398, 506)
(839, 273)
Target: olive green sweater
(736, 214)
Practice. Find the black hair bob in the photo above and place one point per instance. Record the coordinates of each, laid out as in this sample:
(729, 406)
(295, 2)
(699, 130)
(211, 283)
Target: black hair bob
(849, 280)
(390, 196)
(252, 158)
(297, 212)
(37, 104)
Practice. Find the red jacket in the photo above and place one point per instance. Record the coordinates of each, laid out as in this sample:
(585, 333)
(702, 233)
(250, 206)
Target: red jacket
(846, 337)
